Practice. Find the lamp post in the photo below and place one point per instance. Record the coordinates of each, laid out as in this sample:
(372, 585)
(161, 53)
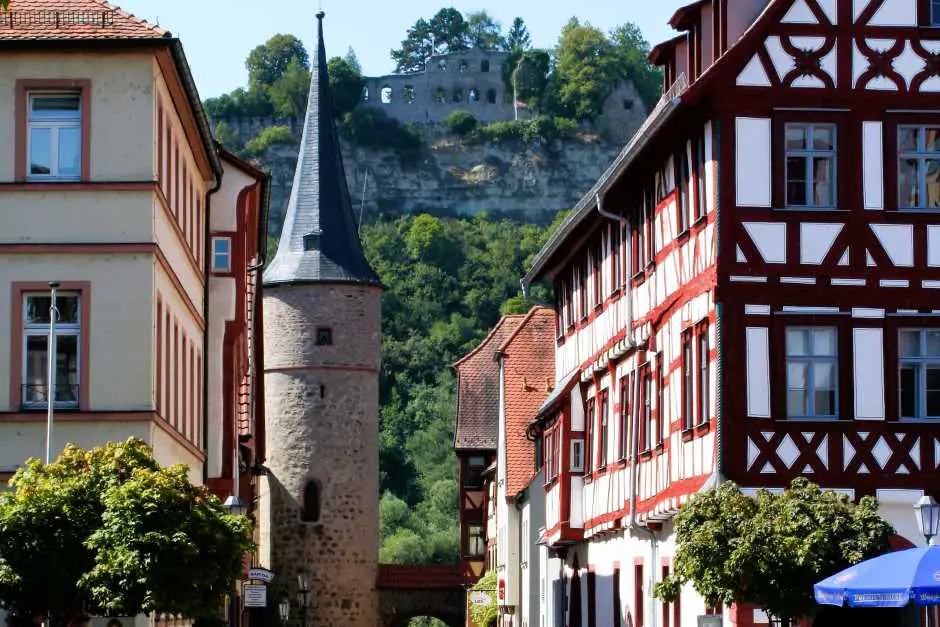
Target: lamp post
(283, 610)
(303, 587)
(927, 513)
(51, 372)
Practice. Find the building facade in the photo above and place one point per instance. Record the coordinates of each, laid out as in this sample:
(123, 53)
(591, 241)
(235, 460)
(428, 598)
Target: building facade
(322, 324)
(746, 294)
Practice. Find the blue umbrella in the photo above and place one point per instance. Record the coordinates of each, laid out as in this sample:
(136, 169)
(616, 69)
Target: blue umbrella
(890, 580)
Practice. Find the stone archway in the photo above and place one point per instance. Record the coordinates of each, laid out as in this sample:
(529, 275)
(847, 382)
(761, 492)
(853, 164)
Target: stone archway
(410, 591)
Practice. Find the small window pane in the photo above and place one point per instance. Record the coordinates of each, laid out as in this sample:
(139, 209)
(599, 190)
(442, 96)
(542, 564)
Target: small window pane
(907, 183)
(907, 139)
(933, 343)
(908, 391)
(825, 403)
(797, 342)
(70, 151)
(796, 180)
(55, 106)
(797, 375)
(796, 137)
(40, 151)
(933, 404)
(797, 403)
(932, 173)
(822, 182)
(823, 138)
(824, 342)
(37, 309)
(910, 344)
(932, 139)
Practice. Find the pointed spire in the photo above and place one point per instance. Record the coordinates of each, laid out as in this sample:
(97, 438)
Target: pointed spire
(319, 242)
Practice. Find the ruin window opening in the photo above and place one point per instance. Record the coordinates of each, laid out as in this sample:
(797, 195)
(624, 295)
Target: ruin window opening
(458, 95)
(386, 95)
(485, 65)
(491, 96)
(473, 95)
(409, 94)
(462, 68)
(442, 65)
(440, 96)
(365, 94)
(627, 104)
(324, 336)
(311, 508)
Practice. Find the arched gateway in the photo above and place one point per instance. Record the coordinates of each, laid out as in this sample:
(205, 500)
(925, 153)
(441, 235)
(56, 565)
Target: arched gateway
(410, 590)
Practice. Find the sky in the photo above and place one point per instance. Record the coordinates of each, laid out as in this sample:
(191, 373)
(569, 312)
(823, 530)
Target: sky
(218, 34)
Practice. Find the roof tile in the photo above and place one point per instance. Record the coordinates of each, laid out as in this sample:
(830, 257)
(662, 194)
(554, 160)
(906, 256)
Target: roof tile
(74, 20)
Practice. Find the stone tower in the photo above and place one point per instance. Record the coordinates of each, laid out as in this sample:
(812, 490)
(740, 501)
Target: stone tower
(322, 320)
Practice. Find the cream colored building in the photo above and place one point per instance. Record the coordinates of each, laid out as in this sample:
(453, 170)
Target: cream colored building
(108, 174)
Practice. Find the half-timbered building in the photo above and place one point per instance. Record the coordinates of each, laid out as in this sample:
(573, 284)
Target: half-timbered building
(748, 293)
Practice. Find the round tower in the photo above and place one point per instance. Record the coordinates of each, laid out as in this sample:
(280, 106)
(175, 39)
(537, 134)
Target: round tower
(322, 324)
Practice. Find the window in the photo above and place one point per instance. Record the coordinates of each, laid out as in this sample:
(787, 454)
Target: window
(551, 470)
(55, 136)
(688, 390)
(473, 95)
(618, 619)
(442, 65)
(811, 163)
(665, 606)
(365, 94)
(639, 593)
(476, 540)
(704, 403)
(616, 279)
(569, 301)
(473, 477)
(221, 254)
(491, 96)
(409, 94)
(701, 202)
(811, 372)
(462, 68)
(624, 416)
(577, 456)
(589, 417)
(440, 96)
(682, 180)
(604, 434)
(599, 270)
(311, 510)
(583, 287)
(661, 420)
(539, 459)
(627, 104)
(919, 366)
(485, 65)
(324, 336)
(647, 417)
(36, 349)
(919, 165)
(386, 94)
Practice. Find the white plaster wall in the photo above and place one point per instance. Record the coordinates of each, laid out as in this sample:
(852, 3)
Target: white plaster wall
(21, 441)
(177, 254)
(753, 161)
(221, 310)
(168, 451)
(224, 213)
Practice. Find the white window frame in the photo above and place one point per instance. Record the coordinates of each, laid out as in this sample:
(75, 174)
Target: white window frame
(72, 120)
(216, 253)
(41, 329)
(920, 364)
(922, 156)
(809, 155)
(577, 455)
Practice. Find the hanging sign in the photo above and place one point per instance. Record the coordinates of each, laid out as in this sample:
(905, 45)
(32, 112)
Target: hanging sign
(255, 595)
(480, 598)
(262, 574)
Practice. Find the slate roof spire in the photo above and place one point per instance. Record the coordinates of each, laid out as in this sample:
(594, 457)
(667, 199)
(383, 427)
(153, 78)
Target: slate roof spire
(319, 242)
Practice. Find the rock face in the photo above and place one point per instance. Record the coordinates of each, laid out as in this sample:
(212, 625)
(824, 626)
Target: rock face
(530, 182)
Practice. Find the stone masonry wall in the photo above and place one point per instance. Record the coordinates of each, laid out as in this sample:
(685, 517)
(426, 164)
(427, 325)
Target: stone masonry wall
(321, 405)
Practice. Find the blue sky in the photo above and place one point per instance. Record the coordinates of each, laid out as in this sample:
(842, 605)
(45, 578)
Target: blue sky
(218, 34)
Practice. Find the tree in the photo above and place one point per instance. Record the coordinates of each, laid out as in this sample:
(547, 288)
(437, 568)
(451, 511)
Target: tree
(518, 39)
(290, 91)
(632, 52)
(252, 102)
(484, 32)
(770, 550)
(346, 83)
(447, 31)
(485, 613)
(110, 532)
(269, 61)
(584, 72)
(526, 73)
(270, 136)
(353, 60)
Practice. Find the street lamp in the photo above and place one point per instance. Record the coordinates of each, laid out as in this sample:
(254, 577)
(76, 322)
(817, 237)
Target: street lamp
(283, 609)
(927, 511)
(303, 587)
(235, 505)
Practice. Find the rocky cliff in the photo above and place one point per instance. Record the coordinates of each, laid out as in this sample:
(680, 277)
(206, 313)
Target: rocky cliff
(529, 182)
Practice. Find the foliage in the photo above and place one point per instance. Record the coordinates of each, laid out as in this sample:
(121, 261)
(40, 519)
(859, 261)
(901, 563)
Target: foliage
(526, 74)
(518, 38)
(290, 91)
(585, 70)
(632, 51)
(445, 32)
(770, 550)
(369, 127)
(346, 83)
(485, 613)
(226, 135)
(108, 531)
(270, 136)
(460, 123)
(541, 128)
(240, 103)
(484, 32)
(268, 62)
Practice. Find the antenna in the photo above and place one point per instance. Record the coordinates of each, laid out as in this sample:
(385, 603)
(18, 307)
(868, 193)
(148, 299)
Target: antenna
(362, 203)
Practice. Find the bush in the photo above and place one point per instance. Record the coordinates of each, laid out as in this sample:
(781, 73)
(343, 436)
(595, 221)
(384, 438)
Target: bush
(373, 128)
(461, 123)
(271, 136)
(543, 129)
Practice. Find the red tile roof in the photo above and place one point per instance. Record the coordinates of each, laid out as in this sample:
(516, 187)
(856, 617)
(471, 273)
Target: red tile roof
(529, 363)
(77, 20)
(478, 390)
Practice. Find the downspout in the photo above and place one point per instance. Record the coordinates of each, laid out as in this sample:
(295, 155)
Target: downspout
(626, 280)
(719, 476)
(207, 272)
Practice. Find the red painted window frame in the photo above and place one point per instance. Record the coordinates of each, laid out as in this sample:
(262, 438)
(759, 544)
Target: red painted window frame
(589, 416)
(683, 177)
(688, 386)
(624, 416)
(702, 388)
(603, 431)
(646, 409)
(699, 161)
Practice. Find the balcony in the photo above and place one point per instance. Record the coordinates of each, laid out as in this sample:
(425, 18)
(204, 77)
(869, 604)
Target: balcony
(36, 397)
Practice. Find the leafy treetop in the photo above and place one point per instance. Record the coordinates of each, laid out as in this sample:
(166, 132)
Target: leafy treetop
(771, 549)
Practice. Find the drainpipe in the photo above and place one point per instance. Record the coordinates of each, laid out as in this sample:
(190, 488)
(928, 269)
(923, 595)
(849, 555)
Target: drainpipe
(626, 280)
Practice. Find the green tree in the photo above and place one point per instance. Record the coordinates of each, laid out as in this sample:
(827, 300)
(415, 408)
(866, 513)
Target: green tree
(290, 91)
(271, 136)
(108, 531)
(485, 613)
(518, 38)
(484, 32)
(269, 61)
(770, 550)
(585, 69)
(226, 135)
(460, 123)
(447, 31)
(526, 74)
(353, 60)
(241, 102)
(632, 52)
(346, 83)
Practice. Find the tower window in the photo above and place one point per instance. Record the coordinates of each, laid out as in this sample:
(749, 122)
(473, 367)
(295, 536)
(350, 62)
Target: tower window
(311, 510)
(324, 336)
(485, 65)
